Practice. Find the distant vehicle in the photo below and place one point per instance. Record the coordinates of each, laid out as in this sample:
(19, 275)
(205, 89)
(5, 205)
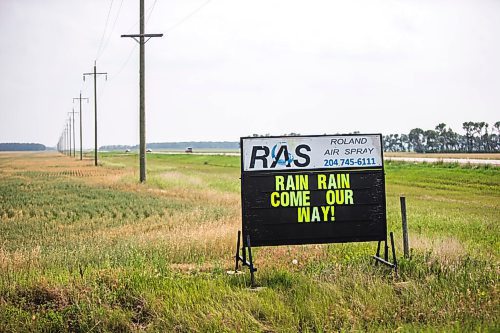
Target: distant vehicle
(127, 150)
(189, 150)
(149, 150)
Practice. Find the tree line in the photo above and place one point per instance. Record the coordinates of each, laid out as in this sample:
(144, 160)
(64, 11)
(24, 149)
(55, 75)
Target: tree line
(15, 146)
(479, 137)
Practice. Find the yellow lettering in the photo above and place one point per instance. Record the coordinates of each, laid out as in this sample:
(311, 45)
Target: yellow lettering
(280, 183)
(348, 197)
(331, 182)
(306, 198)
(321, 182)
(292, 199)
(339, 194)
(315, 215)
(330, 197)
(274, 199)
(304, 214)
(345, 180)
(299, 198)
(339, 197)
(285, 199)
(325, 210)
(302, 181)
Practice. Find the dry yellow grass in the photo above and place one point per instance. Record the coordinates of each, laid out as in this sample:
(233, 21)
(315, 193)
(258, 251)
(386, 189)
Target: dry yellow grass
(19, 259)
(52, 164)
(447, 250)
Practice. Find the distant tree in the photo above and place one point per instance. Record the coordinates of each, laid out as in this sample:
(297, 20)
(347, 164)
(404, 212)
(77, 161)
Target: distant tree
(442, 141)
(496, 136)
(453, 140)
(431, 141)
(469, 130)
(477, 135)
(387, 140)
(405, 142)
(496, 126)
(416, 139)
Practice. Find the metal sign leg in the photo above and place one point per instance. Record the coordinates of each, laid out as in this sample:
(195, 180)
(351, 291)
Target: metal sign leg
(250, 263)
(385, 260)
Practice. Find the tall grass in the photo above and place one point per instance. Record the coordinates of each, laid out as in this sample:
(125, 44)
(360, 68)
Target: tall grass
(90, 249)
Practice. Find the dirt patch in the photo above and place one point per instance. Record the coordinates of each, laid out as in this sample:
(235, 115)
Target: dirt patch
(40, 297)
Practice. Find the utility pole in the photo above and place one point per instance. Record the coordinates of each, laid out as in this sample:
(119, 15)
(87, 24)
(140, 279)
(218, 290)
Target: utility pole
(72, 124)
(95, 105)
(140, 38)
(80, 99)
(65, 139)
(69, 133)
(72, 113)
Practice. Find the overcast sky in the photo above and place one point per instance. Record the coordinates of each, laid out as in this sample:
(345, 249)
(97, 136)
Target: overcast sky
(231, 68)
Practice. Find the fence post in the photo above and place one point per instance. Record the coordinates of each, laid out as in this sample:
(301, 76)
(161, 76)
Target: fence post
(406, 246)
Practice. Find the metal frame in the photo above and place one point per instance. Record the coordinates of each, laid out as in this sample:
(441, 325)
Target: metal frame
(385, 260)
(243, 257)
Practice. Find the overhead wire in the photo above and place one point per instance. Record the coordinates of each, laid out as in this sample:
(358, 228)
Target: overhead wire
(112, 29)
(187, 17)
(104, 31)
(149, 10)
(129, 56)
(105, 41)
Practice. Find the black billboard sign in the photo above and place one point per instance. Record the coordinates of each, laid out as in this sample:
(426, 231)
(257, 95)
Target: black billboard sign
(313, 189)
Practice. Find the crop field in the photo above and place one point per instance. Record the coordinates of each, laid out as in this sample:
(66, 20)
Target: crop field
(89, 249)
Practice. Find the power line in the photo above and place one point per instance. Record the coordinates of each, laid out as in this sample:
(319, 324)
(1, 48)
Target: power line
(112, 29)
(149, 10)
(129, 56)
(122, 67)
(187, 17)
(105, 27)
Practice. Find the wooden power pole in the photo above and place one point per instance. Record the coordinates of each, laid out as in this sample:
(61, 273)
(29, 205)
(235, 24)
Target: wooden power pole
(95, 105)
(69, 134)
(80, 100)
(142, 39)
(72, 124)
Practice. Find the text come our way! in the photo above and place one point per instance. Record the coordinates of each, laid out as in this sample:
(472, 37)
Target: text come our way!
(294, 191)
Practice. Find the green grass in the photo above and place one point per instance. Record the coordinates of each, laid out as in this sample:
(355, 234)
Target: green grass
(89, 249)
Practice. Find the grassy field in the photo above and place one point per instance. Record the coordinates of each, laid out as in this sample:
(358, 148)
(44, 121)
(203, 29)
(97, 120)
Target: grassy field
(88, 249)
